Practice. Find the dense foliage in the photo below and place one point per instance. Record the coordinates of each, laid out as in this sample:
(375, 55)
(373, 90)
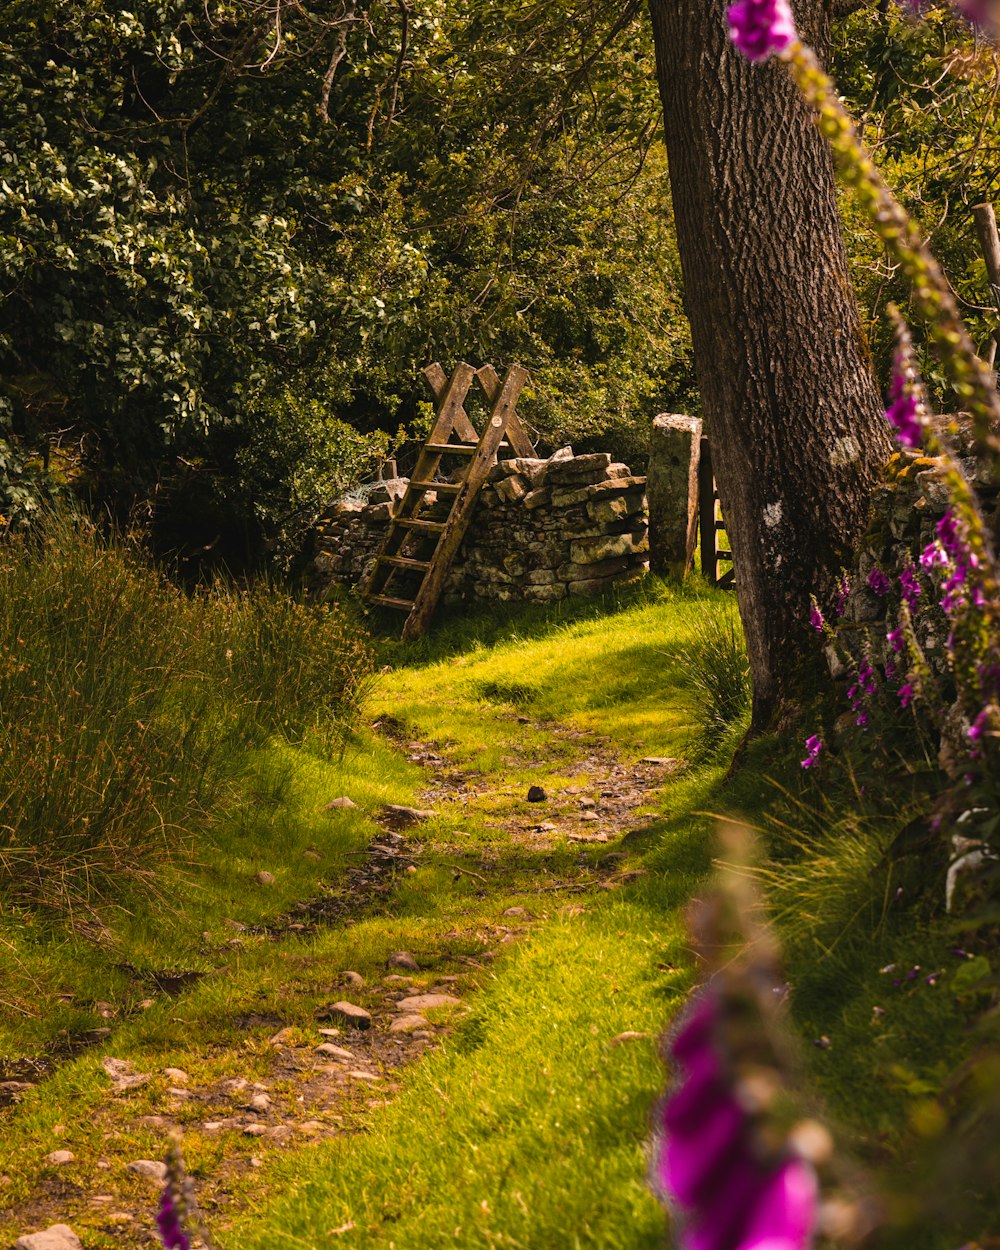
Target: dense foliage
(232, 234)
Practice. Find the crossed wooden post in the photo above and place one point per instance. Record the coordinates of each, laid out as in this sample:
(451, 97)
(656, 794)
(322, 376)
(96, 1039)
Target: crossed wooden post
(480, 452)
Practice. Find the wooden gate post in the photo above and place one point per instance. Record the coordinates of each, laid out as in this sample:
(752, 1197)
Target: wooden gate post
(672, 493)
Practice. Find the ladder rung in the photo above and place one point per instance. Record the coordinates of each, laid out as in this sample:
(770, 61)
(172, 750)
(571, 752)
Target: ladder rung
(458, 449)
(403, 562)
(455, 449)
(442, 488)
(389, 602)
(430, 527)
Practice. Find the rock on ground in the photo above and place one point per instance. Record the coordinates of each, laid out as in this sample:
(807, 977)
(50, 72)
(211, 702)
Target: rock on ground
(57, 1237)
(151, 1169)
(350, 1013)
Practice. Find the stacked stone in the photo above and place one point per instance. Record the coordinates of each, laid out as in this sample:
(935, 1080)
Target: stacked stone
(350, 534)
(906, 509)
(569, 525)
(542, 530)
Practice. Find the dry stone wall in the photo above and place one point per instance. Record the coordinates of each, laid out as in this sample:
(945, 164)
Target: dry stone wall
(542, 530)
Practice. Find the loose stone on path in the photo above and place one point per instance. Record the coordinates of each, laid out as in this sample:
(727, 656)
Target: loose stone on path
(150, 1169)
(350, 1013)
(427, 1002)
(57, 1237)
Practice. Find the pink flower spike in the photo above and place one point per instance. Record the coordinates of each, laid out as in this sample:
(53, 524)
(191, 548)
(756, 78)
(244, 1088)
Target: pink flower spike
(786, 1212)
(762, 28)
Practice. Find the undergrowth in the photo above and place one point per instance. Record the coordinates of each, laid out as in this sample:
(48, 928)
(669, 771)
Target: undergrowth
(127, 708)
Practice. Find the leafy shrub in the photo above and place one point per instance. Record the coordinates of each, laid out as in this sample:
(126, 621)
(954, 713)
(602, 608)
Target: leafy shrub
(126, 707)
(719, 675)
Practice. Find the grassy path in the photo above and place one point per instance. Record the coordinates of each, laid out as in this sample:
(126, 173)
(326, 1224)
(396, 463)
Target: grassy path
(516, 1116)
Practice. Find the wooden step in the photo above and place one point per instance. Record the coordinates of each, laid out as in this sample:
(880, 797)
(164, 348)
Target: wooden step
(428, 527)
(454, 449)
(442, 488)
(388, 602)
(457, 449)
(404, 562)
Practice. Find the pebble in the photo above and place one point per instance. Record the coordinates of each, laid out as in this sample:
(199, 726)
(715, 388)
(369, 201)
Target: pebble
(177, 1076)
(56, 1237)
(403, 959)
(175, 1091)
(358, 1075)
(255, 1130)
(330, 1032)
(587, 803)
(350, 1013)
(314, 856)
(426, 1002)
(515, 911)
(58, 1157)
(353, 978)
(260, 1102)
(124, 1074)
(335, 1052)
(589, 816)
(339, 805)
(264, 878)
(536, 795)
(407, 1024)
(151, 1169)
(395, 979)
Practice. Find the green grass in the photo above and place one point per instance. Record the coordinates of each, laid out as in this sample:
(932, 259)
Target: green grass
(528, 1126)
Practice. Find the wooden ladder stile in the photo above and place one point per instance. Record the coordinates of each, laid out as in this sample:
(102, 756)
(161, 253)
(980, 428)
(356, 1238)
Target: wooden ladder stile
(478, 454)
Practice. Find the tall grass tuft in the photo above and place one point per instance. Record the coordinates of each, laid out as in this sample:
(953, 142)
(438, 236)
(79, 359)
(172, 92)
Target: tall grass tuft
(718, 674)
(127, 707)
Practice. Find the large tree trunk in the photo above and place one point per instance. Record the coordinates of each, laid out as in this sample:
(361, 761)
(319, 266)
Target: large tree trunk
(789, 396)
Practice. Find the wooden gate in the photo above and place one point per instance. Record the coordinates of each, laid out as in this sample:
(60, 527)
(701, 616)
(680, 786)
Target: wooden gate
(711, 524)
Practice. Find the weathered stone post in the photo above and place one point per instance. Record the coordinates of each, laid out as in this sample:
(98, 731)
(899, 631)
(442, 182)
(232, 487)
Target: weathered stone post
(672, 491)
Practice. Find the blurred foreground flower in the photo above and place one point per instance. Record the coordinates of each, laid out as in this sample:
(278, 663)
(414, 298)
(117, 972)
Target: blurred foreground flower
(177, 1213)
(733, 1159)
(761, 28)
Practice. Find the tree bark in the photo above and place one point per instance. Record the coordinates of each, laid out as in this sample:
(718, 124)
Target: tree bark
(789, 395)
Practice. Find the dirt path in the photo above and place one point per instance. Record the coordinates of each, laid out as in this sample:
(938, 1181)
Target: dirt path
(287, 1082)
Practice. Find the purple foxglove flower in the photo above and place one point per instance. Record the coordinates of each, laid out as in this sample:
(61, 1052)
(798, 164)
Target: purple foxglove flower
(949, 537)
(906, 694)
(933, 556)
(903, 414)
(890, 670)
(816, 617)
(761, 28)
(878, 582)
(168, 1221)
(814, 748)
(707, 1161)
(843, 593)
(909, 585)
(895, 640)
